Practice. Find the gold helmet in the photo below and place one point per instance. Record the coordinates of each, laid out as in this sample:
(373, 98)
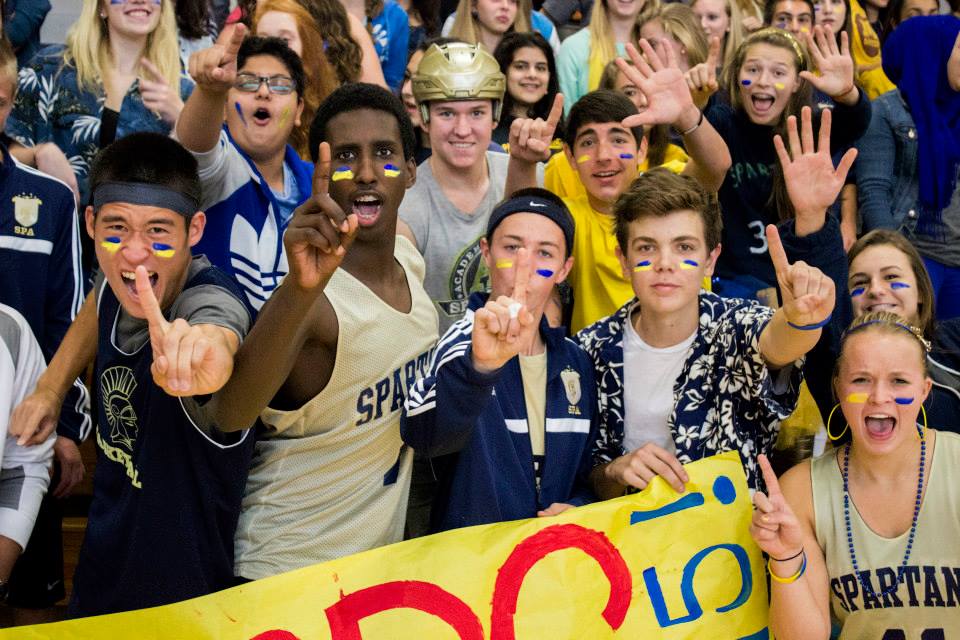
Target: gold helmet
(458, 71)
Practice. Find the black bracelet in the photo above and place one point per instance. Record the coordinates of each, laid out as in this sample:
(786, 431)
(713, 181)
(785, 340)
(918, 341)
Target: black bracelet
(793, 557)
(694, 127)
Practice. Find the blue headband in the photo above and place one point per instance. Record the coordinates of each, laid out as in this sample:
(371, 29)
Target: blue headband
(143, 193)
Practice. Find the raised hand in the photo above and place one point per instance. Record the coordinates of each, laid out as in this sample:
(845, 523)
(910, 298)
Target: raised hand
(215, 68)
(702, 79)
(834, 64)
(157, 95)
(640, 466)
(775, 527)
(188, 360)
(530, 138)
(502, 327)
(812, 182)
(808, 294)
(319, 234)
(662, 84)
(36, 417)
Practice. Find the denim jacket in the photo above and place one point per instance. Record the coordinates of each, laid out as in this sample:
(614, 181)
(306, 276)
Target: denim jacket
(887, 181)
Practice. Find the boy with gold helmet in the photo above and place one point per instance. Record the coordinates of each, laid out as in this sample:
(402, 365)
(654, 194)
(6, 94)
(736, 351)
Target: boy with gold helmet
(459, 90)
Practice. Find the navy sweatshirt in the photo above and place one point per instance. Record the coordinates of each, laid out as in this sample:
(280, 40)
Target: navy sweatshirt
(745, 200)
(474, 428)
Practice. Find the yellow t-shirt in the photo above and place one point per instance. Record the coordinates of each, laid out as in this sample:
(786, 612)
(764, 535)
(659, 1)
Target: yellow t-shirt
(865, 51)
(563, 180)
(599, 287)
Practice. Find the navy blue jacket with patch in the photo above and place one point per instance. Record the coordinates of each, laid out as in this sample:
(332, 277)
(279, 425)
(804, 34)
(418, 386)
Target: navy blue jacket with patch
(40, 273)
(474, 427)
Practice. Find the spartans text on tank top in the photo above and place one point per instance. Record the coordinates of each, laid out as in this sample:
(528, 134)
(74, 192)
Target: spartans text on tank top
(332, 477)
(926, 605)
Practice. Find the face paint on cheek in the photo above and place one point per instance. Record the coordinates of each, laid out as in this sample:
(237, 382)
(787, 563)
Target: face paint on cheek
(240, 113)
(899, 285)
(391, 171)
(111, 244)
(504, 264)
(284, 115)
(583, 158)
(545, 273)
(626, 156)
(643, 265)
(779, 86)
(857, 292)
(342, 173)
(857, 398)
(745, 82)
(163, 250)
(689, 264)
(903, 400)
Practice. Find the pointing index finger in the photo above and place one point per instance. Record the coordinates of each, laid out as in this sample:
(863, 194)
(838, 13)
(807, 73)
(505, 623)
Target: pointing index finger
(232, 41)
(713, 58)
(777, 253)
(321, 172)
(521, 279)
(769, 477)
(152, 70)
(554, 118)
(148, 301)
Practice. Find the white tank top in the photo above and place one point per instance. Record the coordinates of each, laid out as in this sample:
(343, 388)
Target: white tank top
(332, 477)
(928, 599)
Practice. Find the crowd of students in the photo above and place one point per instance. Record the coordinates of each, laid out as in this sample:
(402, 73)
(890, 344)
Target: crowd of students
(333, 281)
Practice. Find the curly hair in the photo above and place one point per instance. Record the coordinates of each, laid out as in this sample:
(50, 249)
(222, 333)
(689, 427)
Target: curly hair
(320, 76)
(341, 49)
(193, 18)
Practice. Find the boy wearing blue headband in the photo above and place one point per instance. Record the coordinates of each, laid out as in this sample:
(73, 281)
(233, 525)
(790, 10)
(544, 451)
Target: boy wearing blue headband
(164, 331)
(507, 410)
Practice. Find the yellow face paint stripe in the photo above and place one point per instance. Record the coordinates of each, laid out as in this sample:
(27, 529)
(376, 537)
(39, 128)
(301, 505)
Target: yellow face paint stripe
(504, 264)
(857, 398)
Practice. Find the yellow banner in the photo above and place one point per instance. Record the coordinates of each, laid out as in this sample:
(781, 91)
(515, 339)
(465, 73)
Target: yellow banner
(651, 565)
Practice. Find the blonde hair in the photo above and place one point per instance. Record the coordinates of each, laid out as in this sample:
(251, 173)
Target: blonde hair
(466, 26)
(88, 46)
(321, 79)
(681, 23)
(603, 48)
(734, 37)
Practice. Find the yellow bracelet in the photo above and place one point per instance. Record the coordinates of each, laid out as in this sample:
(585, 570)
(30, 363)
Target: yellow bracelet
(794, 577)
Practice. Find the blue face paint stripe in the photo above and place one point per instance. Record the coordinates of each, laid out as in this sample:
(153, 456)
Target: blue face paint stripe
(626, 156)
(903, 400)
(858, 291)
(546, 273)
(899, 285)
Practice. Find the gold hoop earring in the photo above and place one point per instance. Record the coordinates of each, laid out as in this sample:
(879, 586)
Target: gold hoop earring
(834, 438)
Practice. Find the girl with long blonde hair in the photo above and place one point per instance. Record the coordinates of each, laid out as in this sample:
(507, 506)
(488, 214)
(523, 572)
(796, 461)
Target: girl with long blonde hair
(118, 73)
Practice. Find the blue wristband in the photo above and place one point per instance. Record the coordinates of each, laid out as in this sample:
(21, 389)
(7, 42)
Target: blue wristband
(811, 327)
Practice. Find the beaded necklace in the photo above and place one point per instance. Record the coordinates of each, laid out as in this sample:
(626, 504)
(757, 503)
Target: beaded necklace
(913, 526)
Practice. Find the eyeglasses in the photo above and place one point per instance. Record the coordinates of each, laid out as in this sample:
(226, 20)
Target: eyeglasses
(278, 85)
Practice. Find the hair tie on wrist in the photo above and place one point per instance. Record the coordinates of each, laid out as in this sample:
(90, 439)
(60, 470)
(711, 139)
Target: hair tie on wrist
(694, 127)
(796, 555)
(811, 327)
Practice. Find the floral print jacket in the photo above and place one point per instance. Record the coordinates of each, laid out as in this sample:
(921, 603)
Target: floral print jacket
(725, 398)
(51, 106)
